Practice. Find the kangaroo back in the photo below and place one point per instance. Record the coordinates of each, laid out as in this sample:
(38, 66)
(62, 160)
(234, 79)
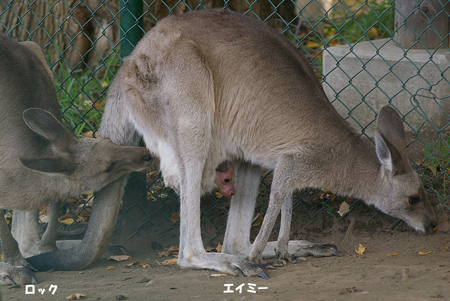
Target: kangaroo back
(212, 86)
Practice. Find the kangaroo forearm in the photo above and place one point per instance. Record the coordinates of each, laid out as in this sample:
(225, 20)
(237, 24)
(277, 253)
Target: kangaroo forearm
(96, 239)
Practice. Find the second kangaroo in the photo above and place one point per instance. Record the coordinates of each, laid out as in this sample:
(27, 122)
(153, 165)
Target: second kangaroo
(212, 86)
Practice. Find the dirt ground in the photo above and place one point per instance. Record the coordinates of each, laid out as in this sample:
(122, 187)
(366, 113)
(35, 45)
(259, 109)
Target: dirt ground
(371, 276)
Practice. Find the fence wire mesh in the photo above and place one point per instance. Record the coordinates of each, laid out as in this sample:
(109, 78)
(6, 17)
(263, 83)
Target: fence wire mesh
(351, 43)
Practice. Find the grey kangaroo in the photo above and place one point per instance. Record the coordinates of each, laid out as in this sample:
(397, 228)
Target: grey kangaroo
(41, 162)
(212, 86)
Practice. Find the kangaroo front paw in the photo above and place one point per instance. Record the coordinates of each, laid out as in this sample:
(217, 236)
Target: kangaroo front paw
(284, 257)
(317, 250)
(16, 275)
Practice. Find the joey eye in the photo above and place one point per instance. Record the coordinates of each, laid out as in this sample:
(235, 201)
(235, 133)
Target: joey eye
(110, 167)
(414, 200)
(227, 180)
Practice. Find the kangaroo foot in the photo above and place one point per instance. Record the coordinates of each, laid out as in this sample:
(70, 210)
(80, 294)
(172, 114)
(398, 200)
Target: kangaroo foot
(16, 275)
(317, 250)
(225, 263)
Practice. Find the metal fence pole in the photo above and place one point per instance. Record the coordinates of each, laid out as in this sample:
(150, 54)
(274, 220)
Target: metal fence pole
(131, 25)
(131, 31)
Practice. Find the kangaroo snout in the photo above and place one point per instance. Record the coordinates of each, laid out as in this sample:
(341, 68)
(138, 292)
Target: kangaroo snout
(432, 227)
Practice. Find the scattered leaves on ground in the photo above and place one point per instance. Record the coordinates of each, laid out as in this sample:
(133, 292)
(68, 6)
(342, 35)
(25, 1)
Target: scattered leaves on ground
(172, 251)
(137, 263)
(217, 249)
(257, 220)
(218, 275)
(67, 221)
(172, 261)
(75, 297)
(424, 253)
(393, 254)
(360, 250)
(88, 134)
(119, 257)
(175, 217)
(343, 208)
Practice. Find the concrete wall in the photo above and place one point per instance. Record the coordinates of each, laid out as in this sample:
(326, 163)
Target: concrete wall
(360, 79)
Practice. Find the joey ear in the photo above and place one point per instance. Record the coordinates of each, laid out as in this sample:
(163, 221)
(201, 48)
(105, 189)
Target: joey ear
(45, 124)
(390, 141)
(224, 166)
(51, 165)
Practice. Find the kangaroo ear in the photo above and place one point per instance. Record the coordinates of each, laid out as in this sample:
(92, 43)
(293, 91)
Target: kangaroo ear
(54, 159)
(224, 166)
(45, 124)
(52, 165)
(390, 141)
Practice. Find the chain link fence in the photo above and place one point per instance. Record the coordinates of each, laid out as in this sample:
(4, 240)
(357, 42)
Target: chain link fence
(353, 44)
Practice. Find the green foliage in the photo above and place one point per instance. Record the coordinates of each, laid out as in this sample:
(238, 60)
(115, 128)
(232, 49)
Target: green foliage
(437, 155)
(437, 160)
(349, 22)
(82, 92)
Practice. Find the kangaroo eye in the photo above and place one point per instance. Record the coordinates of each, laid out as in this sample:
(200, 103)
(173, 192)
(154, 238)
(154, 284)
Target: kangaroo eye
(227, 180)
(414, 200)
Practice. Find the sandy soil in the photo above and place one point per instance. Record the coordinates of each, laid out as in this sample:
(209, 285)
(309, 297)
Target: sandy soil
(371, 276)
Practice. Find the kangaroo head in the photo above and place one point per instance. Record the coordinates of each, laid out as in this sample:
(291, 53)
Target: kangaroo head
(403, 196)
(82, 164)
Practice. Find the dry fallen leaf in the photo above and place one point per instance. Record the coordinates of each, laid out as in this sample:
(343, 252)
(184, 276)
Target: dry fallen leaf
(44, 218)
(373, 33)
(219, 248)
(360, 250)
(110, 268)
(173, 249)
(134, 264)
(218, 275)
(172, 261)
(164, 254)
(424, 253)
(119, 257)
(175, 217)
(311, 44)
(445, 250)
(393, 254)
(88, 134)
(67, 221)
(343, 209)
(257, 220)
(75, 297)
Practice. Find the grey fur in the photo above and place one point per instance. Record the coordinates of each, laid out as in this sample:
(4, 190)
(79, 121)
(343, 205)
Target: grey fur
(41, 162)
(213, 86)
